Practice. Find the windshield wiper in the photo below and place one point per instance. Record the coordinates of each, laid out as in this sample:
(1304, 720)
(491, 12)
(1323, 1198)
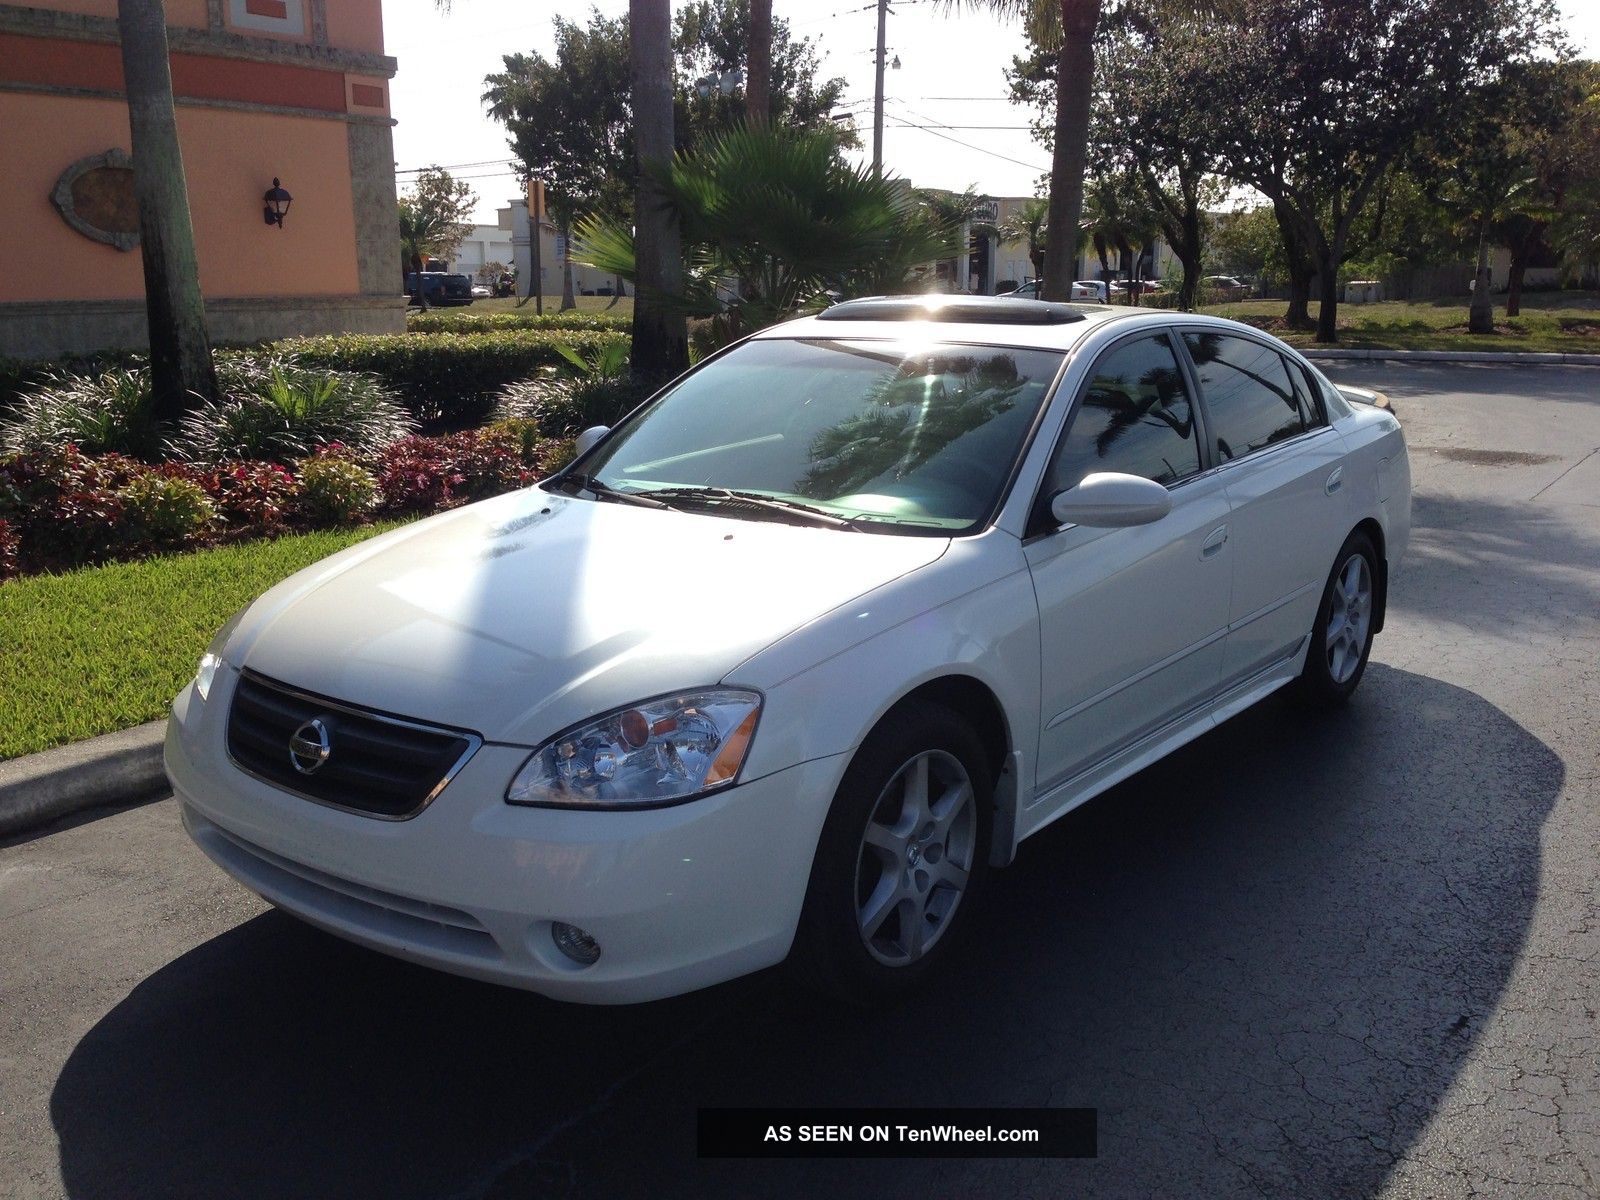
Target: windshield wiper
(789, 508)
(604, 491)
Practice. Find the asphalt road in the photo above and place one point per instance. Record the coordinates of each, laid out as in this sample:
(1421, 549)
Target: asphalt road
(1318, 957)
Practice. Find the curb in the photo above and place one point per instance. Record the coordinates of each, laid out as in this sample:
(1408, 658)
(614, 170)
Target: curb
(1503, 357)
(118, 768)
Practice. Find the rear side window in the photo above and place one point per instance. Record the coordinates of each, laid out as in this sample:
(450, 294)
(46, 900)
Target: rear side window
(1135, 417)
(1251, 402)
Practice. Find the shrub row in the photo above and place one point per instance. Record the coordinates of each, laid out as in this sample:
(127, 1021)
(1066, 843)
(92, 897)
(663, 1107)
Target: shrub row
(463, 321)
(61, 508)
(446, 379)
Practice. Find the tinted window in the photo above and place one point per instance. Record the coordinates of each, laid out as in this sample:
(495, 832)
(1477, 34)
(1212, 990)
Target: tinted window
(1135, 417)
(1250, 401)
(1305, 390)
(908, 438)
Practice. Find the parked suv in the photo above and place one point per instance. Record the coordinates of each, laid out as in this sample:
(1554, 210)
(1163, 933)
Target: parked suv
(440, 287)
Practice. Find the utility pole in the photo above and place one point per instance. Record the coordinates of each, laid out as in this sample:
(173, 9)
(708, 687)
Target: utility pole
(877, 95)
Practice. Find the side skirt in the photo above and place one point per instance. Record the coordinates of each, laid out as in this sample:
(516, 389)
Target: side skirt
(1087, 784)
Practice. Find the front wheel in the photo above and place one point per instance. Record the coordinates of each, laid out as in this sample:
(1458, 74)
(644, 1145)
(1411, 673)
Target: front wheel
(1341, 639)
(903, 849)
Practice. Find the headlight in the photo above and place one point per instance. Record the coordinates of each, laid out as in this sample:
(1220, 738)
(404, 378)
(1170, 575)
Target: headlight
(211, 660)
(659, 752)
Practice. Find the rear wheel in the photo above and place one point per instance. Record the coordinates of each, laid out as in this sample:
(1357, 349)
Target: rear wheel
(903, 849)
(1341, 640)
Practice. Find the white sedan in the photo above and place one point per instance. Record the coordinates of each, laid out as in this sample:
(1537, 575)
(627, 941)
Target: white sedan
(784, 664)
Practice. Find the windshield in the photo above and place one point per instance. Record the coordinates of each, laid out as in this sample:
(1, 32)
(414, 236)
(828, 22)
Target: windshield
(895, 437)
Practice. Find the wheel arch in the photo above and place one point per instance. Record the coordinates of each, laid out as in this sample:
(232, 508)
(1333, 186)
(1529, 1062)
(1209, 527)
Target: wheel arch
(973, 700)
(1374, 532)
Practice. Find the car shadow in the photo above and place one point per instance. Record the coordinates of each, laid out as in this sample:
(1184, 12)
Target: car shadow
(1264, 960)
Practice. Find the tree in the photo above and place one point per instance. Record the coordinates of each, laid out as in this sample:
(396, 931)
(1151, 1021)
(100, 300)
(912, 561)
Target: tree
(434, 218)
(1575, 230)
(758, 66)
(713, 38)
(660, 334)
(181, 370)
(569, 122)
(1316, 100)
(1027, 226)
(1068, 28)
(783, 213)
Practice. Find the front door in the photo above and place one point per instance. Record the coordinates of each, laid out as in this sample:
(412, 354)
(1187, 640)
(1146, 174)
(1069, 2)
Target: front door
(1132, 620)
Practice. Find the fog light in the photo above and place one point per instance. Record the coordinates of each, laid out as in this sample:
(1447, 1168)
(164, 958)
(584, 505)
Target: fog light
(575, 943)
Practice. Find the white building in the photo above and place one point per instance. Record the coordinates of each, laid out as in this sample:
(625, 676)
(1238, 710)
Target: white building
(508, 242)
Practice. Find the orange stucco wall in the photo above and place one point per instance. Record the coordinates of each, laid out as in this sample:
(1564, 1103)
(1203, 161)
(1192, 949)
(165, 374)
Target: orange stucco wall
(230, 158)
(358, 24)
(179, 12)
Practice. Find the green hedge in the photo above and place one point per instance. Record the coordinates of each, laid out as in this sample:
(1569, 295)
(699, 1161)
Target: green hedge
(440, 321)
(445, 379)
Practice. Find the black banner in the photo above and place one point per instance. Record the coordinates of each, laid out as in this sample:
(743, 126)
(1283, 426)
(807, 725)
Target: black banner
(897, 1133)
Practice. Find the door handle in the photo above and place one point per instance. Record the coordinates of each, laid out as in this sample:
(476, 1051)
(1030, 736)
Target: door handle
(1216, 541)
(1335, 481)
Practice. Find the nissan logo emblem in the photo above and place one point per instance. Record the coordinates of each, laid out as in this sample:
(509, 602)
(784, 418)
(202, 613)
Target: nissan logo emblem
(309, 747)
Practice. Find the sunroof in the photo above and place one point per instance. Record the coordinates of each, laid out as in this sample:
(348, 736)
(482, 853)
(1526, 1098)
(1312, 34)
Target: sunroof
(970, 310)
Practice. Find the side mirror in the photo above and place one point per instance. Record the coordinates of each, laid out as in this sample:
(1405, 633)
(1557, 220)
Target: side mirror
(589, 437)
(1107, 500)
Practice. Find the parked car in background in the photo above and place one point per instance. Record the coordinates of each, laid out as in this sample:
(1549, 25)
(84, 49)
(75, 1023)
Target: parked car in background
(481, 292)
(1096, 286)
(1080, 292)
(787, 662)
(1225, 287)
(440, 287)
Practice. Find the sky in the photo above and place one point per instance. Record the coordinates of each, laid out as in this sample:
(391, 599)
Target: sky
(947, 123)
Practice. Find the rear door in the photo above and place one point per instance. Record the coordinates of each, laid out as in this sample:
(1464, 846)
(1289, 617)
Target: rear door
(1131, 620)
(1282, 466)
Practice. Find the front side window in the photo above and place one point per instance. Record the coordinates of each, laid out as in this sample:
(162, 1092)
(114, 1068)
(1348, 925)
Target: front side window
(894, 437)
(1250, 401)
(1135, 417)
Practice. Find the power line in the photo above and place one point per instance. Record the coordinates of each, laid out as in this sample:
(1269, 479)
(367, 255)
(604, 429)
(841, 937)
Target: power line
(980, 149)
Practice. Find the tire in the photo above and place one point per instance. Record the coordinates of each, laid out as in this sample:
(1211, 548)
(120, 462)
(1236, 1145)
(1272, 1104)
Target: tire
(869, 901)
(1333, 670)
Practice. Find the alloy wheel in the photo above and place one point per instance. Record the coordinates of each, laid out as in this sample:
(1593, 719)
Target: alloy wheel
(1349, 618)
(915, 858)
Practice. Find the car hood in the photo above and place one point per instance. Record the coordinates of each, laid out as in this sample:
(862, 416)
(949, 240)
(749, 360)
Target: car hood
(522, 615)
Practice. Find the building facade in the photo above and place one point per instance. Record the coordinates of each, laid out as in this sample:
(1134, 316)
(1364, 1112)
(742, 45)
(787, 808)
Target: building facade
(293, 90)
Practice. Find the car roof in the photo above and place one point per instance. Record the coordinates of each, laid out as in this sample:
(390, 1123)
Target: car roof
(973, 329)
(992, 320)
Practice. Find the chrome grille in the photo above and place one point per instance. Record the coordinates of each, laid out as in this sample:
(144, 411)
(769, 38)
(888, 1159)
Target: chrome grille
(376, 763)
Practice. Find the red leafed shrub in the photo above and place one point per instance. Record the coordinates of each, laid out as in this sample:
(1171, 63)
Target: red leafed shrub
(252, 497)
(8, 551)
(64, 506)
(421, 474)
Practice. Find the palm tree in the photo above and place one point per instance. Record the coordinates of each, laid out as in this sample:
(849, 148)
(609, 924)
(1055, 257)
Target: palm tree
(1069, 27)
(758, 62)
(181, 370)
(660, 333)
(422, 231)
(1027, 225)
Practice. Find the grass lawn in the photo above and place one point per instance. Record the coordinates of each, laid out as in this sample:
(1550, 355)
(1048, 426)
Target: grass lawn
(1550, 321)
(106, 648)
(622, 308)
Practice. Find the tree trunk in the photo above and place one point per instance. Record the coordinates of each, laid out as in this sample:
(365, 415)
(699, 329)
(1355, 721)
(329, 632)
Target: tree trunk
(1189, 291)
(1328, 259)
(758, 64)
(1480, 319)
(568, 298)
(181, 370)
(1300, 268)
(1518, 275)
(1074, 91)
(660, 335)
(1037, 258)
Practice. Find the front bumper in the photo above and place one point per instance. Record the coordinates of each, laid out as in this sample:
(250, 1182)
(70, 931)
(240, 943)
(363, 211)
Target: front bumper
(678, 898)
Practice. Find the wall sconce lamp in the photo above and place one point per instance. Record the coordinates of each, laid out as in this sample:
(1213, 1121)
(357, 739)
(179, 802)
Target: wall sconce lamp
(277, 203)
